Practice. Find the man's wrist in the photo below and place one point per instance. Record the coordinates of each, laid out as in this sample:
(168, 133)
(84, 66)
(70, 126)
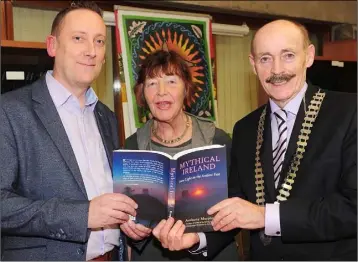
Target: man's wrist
(261, 221)
(200, 247)
(197, 238)
(196, 242)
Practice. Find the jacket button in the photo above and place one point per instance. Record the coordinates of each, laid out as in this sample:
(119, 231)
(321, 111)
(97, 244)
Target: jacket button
(282, 258)
(80, 251)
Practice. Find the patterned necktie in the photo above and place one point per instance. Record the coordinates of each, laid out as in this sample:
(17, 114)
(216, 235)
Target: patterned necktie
(281, 144)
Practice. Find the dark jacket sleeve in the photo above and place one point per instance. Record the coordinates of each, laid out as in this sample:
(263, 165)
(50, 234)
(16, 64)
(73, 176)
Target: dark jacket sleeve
(217, 241)
(114, 130)
(23, 216)
(333, 216)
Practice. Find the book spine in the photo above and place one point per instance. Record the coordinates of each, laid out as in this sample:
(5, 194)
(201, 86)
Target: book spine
(171, 188)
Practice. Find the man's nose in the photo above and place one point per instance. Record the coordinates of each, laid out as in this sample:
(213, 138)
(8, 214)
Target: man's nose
(90, 49)
(277, 67)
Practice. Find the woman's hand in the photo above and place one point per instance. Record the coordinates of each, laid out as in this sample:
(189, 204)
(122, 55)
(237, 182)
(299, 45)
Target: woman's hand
(135, 231)
(172, 235)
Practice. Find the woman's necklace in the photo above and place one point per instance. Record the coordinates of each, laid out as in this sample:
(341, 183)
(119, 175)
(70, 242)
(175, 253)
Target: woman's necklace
(175, 140)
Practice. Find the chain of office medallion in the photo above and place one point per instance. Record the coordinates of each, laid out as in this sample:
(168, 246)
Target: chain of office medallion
(284, 192)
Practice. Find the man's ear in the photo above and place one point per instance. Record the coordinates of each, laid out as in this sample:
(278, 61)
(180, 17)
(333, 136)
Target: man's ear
(310, 55)
(252, 62)
(51, 45)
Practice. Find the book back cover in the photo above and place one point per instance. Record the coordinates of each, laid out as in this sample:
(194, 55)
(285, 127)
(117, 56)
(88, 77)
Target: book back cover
(144, 177)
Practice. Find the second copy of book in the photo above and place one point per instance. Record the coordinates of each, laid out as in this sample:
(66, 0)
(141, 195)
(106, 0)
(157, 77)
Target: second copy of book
(184, 186)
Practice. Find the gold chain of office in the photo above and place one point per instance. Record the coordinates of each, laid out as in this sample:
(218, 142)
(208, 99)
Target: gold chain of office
(310, 117)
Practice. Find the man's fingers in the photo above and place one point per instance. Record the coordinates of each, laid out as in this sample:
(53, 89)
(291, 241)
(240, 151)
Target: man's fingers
(114, 221)
(219, 206)
(123, 198)
(224, 222)
(221, 214)
(228, 227)
(118, 215)
(123, 206)
(109, 209)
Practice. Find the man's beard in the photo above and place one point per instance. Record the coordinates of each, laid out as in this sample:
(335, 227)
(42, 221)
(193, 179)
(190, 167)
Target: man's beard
(278, 78)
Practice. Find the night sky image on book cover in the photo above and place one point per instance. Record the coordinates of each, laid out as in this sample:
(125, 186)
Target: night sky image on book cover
(184, 186)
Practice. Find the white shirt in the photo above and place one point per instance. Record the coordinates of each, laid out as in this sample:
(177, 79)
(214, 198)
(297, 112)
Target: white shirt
(86, 142)
(272, 211)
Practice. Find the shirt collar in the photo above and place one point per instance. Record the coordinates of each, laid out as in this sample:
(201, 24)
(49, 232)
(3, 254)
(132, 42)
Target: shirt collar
(60, 95)
(294, 105)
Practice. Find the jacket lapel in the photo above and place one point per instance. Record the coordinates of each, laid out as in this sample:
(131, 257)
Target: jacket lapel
(266, 156)
(291, 149)
(102, 123)
(47, 113)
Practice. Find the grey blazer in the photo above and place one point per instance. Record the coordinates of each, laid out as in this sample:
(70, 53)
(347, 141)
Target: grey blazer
(44, 209)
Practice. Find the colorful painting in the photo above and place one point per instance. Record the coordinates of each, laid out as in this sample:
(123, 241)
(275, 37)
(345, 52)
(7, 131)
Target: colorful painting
(141, 33)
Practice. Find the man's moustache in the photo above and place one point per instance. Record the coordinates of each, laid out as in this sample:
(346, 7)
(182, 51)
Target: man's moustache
(273, 79)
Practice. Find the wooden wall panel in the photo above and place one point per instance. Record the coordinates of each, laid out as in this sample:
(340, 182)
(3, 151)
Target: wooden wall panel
(3, 21)
(9, 20)
(345, 50)
(7, 27)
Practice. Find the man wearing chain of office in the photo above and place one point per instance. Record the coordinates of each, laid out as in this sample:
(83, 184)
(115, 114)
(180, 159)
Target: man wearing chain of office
(293, 179)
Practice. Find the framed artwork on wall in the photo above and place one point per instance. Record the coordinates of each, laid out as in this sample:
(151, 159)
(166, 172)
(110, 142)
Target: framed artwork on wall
(142, 32)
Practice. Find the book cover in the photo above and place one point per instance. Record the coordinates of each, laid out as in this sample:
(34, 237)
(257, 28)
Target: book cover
(184, 186)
